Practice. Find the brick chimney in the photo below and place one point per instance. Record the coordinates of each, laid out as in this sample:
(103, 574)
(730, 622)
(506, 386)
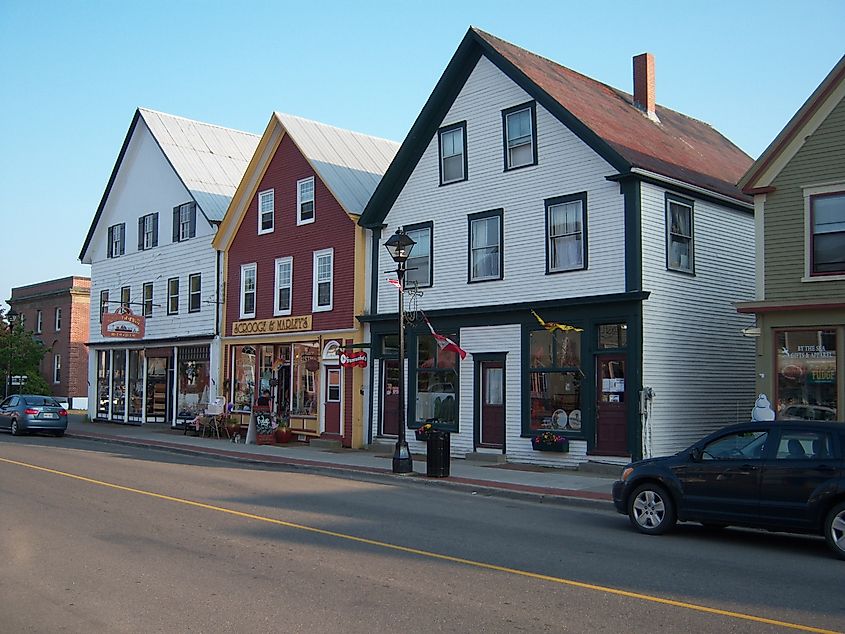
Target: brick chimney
(644, 84)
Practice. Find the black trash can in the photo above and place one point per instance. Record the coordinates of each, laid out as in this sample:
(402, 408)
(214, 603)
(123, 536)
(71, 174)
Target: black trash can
(437, 454)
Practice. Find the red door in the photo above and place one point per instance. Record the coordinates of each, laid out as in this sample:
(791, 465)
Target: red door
(611, 421)
(333, 401)
(390, 397)
(492, 406)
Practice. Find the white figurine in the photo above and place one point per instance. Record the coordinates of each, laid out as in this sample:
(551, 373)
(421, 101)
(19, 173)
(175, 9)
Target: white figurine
(762, 409)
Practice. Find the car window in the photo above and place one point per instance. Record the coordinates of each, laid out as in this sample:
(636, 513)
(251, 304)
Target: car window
(804, 445)
(742, 445)
(41, 400)
(6, 402)
(13, 402)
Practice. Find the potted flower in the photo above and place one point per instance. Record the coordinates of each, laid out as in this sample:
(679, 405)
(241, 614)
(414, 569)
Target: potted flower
(550, 441)
(283, 433)
(423, 431)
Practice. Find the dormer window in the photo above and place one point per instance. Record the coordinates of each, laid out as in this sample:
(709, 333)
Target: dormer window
(305, 201)
(520, 132)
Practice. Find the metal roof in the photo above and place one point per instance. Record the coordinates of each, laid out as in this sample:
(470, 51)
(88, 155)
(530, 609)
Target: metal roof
(349, 163)
(209, 159)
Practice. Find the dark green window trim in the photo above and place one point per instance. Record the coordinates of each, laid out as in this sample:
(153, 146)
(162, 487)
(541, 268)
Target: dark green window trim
(493, 213)
(551, 202)
(462, 125)
(669, 198)
(532, 105)
(428, 224)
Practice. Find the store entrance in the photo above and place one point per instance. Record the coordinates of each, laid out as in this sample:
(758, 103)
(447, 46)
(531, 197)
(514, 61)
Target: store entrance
(611, 420)
(390, 397)
(282, 398)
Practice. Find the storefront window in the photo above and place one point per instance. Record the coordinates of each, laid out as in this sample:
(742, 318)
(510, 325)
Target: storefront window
(306, 363)
(806, 374)
(265, 369)
(103, 367)
(193, 381)
(136, 385)
(437, 382)
(118, 385)
(243, 388)
(555, 380)
(390, 345)
(613, 336)
(157, 388)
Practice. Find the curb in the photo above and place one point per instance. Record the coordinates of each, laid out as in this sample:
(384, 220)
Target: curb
(544, 495)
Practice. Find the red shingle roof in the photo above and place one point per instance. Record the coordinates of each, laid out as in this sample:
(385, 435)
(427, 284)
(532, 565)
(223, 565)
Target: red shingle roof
(678, 147)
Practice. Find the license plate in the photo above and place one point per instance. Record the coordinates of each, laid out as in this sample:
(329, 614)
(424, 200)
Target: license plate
(49, 415)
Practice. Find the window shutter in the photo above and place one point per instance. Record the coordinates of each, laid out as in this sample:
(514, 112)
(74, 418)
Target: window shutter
(141, 233)
(176, 224)
(155, 229)
(110, 240)
(193, 231)
(122, 238)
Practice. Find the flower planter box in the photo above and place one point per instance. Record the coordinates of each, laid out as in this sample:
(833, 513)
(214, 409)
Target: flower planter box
(265, 439)
(422, 436)
(283, 435)
(560, 445)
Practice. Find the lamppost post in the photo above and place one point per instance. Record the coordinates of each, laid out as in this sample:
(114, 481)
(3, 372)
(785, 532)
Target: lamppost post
(10, 317)
(399, 245)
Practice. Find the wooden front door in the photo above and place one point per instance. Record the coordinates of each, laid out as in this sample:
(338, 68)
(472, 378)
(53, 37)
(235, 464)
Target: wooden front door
(390, 397)
(332, 402)
(491, 408)
(611, 420)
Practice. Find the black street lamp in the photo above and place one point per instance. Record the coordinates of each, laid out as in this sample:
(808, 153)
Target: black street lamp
(399, 246)
(11, 317)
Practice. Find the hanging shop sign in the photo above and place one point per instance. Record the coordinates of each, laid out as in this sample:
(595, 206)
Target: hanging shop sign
(123, 324)
(270, 326)
(353, 359)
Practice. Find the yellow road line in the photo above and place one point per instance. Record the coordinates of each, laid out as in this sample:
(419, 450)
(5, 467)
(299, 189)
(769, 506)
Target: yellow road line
(432, 555)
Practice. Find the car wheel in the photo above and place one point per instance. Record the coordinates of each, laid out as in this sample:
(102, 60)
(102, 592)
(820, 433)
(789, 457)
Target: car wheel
(15, 429)
(651, 510)
(834, 530)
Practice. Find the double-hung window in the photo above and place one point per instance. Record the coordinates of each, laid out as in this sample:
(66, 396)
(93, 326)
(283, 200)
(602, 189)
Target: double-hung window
(249, 272)
(520, 135)
(419, 265)
(57, 368)
(39, 321)
(827, 225)
(566, 233)
(453, 157)
(305, 201)
(284, 285)
(173, 296)
(58, 319)
(125, 297)
(680, 254)
(266, 211)
(194, 292)
(184, 222)
(148, 299)
(116, 240)
(104, 304)
(485, 246)
(147, 232)
(323, 280)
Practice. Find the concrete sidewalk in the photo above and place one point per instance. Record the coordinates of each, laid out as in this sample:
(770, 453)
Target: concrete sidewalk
(521, 481)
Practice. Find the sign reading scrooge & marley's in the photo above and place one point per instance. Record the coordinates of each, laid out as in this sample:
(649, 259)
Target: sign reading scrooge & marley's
(270, 326)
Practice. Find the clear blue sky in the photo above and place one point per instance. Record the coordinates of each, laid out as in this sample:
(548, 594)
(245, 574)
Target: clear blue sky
(72, 74)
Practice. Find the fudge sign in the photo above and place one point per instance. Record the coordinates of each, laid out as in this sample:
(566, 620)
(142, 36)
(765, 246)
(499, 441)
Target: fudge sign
(270, 326)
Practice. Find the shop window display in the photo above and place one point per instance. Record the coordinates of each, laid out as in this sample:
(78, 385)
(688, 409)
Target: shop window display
(305, 379)
(157, 389)
(806, 374)
(103, 368)
(555, 380)
(243, 388)
(437, 381)
(136, 385)
(118, 385)
(193, 381)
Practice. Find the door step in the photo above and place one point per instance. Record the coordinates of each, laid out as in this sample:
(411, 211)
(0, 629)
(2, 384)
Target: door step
(490, 458)
(324, 443)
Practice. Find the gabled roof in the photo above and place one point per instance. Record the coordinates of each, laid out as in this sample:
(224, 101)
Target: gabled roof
(350, 164)
(209, 160)
(786, 145)
(678, 147)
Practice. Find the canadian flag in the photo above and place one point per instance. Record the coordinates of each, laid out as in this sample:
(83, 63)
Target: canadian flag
(444, 342)
(394, 282)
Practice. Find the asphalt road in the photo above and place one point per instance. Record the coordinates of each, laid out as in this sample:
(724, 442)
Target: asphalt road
(149, 541)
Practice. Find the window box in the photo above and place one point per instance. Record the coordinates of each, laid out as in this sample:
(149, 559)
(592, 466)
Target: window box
(549, 441)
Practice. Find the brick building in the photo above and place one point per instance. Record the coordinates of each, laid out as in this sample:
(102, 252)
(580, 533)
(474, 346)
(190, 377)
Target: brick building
(57, 314)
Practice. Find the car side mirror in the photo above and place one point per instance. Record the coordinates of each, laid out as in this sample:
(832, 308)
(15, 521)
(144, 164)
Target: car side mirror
(695, 454)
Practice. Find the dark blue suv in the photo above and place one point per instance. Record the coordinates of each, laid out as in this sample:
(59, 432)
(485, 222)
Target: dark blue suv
(780, 475)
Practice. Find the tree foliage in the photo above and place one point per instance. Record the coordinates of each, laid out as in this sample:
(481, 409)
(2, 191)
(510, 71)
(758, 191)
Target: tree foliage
(21, 354)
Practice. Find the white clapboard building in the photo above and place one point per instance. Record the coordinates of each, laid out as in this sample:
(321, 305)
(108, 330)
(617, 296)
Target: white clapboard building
(155, 278)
